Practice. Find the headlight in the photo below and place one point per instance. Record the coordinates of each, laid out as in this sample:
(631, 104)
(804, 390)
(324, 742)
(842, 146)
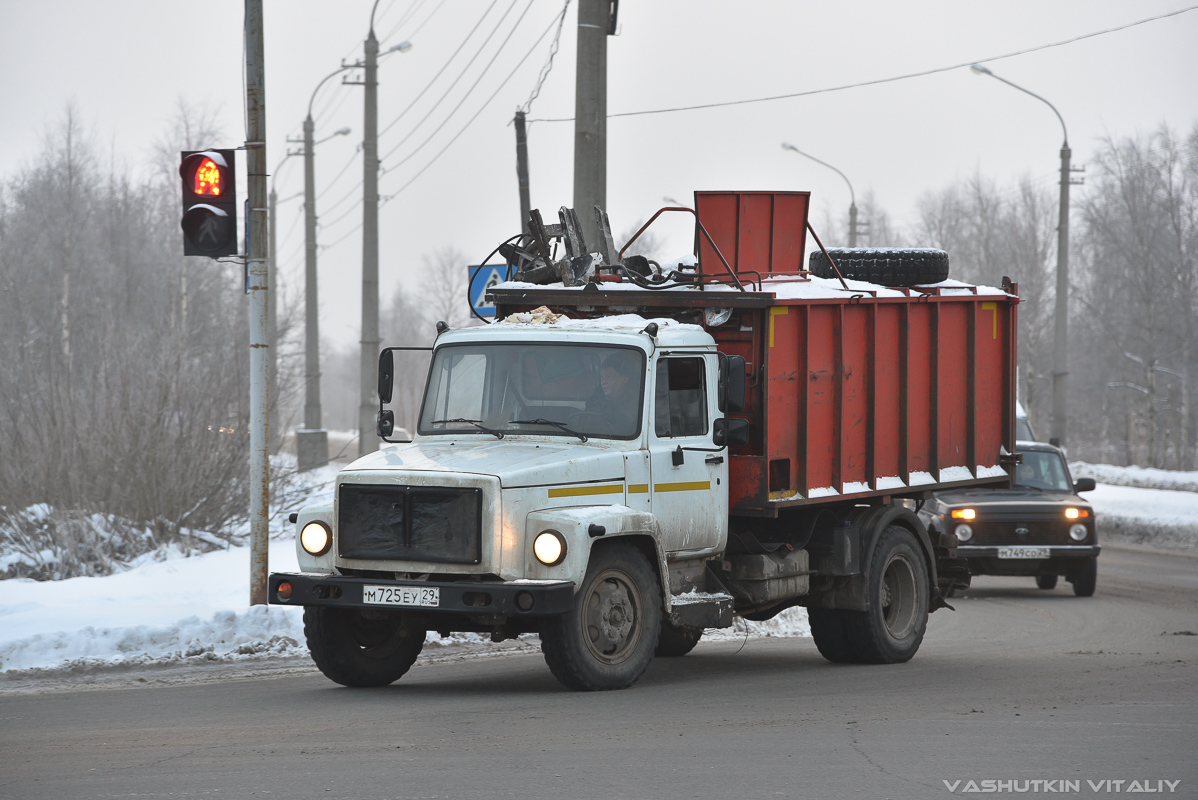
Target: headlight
(549, 547)
(316, 538)
(964, 533)
(1078, 532)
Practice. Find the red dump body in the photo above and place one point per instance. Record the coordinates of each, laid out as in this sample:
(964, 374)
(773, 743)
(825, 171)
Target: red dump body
(858, 393)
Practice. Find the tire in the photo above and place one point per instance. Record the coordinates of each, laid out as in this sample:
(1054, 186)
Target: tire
(1085, 577)
(1046, 581)
(607, 640)
(884, 266)
(355, 651)
(831, 635)
(897, 596)
(674, 641)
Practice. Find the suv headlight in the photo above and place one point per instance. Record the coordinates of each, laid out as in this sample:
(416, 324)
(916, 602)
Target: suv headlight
(1078, 532)
(964, 533)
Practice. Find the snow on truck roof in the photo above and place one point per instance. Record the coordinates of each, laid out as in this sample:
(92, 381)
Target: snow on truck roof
(792, 288)
(623, 323)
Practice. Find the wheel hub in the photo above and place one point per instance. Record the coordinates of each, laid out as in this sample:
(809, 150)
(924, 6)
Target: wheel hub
(610, 619)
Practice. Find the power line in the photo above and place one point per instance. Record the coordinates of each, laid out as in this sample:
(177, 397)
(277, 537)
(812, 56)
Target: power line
(349, 162)
(549, 62)
(461, 75)
(476, 114)
(878, 81)
(444, 67)
(469, 91)
(411, 12)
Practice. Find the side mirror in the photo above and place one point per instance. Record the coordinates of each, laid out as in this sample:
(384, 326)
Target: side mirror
(732, 384)
(386, 376)
(732, 432)
(385, 423)
(1085, 485)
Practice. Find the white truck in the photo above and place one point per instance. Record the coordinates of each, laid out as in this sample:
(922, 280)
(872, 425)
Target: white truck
(618, 467)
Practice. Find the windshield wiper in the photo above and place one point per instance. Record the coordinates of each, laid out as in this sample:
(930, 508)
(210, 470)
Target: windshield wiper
(474, 422)
(541, 421)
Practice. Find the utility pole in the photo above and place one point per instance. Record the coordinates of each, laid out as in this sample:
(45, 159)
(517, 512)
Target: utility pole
(522, 169)
(272, 328)
(368, 366)
(259, 280)
(853, 224)
(596, 21)
(1060, 333)
(311, 443)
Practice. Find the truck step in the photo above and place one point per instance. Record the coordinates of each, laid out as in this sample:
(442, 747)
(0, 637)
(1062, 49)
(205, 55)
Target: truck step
(701, 610)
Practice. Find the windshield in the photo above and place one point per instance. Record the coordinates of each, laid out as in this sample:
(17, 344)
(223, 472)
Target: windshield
(548, 389)
(1043, 471)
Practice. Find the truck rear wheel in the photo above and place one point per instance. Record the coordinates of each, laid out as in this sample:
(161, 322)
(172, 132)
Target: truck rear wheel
(607, 640)
(353, 650)
(831, 635)
(897, 598)
(675, 641)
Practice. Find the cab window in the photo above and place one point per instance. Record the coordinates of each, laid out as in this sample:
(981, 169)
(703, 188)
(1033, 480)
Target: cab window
(680, 401)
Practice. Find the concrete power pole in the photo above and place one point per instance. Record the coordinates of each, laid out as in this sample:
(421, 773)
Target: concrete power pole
(259, 280)
(311, 443)
(853, 225)
(522, 169)
(368, 366)
(272, 326)
(1060, 337)
(595, 23)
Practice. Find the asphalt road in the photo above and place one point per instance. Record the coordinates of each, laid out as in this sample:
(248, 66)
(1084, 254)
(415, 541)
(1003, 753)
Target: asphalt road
(1018, 684)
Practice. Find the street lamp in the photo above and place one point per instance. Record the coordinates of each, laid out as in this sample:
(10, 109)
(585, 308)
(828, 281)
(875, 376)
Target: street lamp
(312, 441)
(1060, 361)
(852, 194)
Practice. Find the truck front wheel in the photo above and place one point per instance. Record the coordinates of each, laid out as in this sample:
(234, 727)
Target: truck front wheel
(897, 598)
(607, 640)
(354, 650)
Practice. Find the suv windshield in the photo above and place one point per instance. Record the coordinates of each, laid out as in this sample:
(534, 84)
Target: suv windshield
(1041, 470)
(547, 389)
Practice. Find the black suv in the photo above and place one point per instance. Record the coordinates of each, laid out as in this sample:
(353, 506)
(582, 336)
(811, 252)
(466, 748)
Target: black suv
(1039, 527)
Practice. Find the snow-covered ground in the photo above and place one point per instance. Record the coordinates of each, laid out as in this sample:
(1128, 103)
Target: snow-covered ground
(194, 610)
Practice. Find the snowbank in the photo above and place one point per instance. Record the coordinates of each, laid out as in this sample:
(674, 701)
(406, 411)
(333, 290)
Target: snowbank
(1158, 517)
(1143, 477)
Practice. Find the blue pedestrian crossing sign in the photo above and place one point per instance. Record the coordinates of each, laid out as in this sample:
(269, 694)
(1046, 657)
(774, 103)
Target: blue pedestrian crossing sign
(491, 276)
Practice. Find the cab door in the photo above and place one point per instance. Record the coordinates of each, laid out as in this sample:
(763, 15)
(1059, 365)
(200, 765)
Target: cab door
(688, 487)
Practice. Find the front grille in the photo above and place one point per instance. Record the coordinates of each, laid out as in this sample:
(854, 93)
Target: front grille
(410, 523)
(1004, 532)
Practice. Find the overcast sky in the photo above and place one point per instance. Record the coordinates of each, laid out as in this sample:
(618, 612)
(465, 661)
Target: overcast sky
(125, 64)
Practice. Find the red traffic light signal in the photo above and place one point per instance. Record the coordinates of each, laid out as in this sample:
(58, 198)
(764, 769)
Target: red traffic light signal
(209, 203)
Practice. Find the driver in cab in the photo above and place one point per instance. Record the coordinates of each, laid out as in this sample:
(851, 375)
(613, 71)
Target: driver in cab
(616, 400)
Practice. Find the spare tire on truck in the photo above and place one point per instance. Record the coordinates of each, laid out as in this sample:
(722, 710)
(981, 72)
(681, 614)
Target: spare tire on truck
(886, 266)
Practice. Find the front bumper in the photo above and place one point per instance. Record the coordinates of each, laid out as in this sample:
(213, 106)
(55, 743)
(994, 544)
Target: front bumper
(1054, 551)
(538, 599)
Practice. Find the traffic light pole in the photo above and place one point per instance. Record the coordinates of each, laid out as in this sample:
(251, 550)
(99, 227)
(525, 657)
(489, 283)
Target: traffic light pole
(258, 271)
(272, 327)
(368, 365)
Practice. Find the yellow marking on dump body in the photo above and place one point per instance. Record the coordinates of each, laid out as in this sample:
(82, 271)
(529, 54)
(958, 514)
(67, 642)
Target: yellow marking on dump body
(581, 491)
(773, 313)
(992, 307)
(691, 486)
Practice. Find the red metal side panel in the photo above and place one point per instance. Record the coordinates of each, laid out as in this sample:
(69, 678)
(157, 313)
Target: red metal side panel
(762, 232)
(753, 233)
(783, 342)
(856, 347)
(718, 212)
(952, 418)
(990, 335)
(919, 376)
(823, 430)
(887, 388)
(790, 232)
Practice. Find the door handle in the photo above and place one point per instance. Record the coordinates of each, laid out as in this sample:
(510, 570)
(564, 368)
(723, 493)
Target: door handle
(714, 460)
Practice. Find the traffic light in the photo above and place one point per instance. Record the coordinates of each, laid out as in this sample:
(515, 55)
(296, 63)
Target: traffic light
(209, 203)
